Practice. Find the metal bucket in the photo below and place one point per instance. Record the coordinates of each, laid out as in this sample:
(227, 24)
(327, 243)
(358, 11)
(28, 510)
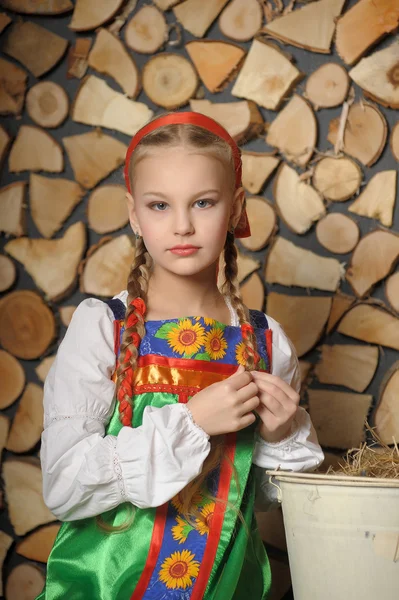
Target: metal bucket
(342, 535)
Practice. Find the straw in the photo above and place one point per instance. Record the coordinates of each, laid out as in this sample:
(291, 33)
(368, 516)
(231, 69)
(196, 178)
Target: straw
(369, 460)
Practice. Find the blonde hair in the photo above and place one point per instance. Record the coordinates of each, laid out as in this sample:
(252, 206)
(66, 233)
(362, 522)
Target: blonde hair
(137, 286)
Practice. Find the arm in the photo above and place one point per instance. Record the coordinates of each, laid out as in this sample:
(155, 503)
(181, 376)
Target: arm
(300, 450)
(86, 472)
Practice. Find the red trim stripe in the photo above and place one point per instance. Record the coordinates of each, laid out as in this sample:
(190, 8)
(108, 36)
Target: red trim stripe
(217, 521)
(153, 552)
(269, 347)
(187, 363)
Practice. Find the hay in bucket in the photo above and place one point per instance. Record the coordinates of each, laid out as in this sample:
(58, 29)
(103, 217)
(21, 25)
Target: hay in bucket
(370, 460)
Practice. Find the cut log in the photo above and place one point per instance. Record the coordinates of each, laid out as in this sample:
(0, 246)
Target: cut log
(331, 459)
(52, 201)
(90, 14)
(338, 179)
(310, 27)
(122, 17)
(12, 209)
(110, 56)
(27, 425)
(47, 155)
(377, 200)
(44, 7)
(294, 131)
(169, 80)
(392, 290)
(257, 167)
(12, 88)
(5, 543)
(394, 142)
(5, 141)
(27, 325)
(42, 260)
(47, 104)
(328, 86)
(263, 221)
(216, 62)
(78, 58)
(38, 545)
(378, 75)
(371, 324)
(337, 233)
(350, 365)
(365, 133)
(363, 25)
(252, 292)
(341, 303)
(107, 209)
(147, 31)
(4, 427)
(241, 20)
(12, 377)
(37, 48)
(107, 266)
(289, 264)
(24, 487)
(267, 76)
(304, 332)
(43, 368)
(24, 581)
(339, 417)
(66, 313)
(93, 156)
(298, 203)
(305, 368)
(4, 21)
(246, 265)
(373, 259)
(198, 15)
(96, 103)
(166, 4)
(242, 120)
(8, 272)
(386, 416)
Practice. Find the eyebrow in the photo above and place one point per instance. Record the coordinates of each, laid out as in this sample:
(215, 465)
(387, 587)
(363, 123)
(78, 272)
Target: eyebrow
(193, 196)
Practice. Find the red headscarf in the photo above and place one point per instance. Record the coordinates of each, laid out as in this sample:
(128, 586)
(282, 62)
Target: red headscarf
(242, 229)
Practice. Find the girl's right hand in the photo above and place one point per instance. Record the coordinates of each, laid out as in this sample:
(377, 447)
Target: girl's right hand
(226, 406)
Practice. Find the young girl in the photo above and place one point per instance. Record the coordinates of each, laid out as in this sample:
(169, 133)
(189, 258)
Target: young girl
(156, 460)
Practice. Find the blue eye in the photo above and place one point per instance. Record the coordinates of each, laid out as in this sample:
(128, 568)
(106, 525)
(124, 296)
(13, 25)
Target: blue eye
(207, 201)
(158, 204)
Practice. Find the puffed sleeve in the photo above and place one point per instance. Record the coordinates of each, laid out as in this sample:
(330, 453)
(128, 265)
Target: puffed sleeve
(86, 472)
(300, 450)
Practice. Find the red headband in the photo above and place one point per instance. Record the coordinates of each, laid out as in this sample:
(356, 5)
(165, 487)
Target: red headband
(242, 229)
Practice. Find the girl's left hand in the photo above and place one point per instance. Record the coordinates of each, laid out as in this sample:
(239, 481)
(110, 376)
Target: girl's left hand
(278, 406)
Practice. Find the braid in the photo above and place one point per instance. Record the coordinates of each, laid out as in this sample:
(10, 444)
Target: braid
(137, 287)
(231, 289)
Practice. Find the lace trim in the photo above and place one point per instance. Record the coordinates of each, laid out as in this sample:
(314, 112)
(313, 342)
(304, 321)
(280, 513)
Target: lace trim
(285, 443)
(118, 471)
(80, 416)
(190, 416)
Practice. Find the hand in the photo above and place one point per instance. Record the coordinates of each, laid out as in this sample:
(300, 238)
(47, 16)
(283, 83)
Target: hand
(278, 406)
(226, 406)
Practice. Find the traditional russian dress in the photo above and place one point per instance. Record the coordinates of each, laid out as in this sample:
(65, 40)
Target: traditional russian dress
(162, 556)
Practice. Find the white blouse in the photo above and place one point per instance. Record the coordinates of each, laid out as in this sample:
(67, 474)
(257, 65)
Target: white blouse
(86, 472)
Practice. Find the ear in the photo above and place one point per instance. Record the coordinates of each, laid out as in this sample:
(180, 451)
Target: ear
(132, 213)
(238, 201)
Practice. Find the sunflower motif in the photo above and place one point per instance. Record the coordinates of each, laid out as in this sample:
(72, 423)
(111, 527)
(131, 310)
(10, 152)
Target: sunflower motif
(208, 321)
(241, 354)
(181, 530)
(215, 343)
(178, 569)
(197, 500)
(203, 524)
(186, 337)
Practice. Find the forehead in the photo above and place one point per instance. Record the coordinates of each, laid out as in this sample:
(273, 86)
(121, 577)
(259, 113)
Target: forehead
(178, 166)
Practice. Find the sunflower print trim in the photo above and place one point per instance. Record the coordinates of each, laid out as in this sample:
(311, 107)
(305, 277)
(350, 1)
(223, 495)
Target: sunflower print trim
(177, 571)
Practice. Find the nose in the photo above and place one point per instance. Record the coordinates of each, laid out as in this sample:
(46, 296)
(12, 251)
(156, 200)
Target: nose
(183, 224)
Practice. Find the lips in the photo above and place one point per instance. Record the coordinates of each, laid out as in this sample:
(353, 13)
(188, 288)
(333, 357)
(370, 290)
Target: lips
(184, 248)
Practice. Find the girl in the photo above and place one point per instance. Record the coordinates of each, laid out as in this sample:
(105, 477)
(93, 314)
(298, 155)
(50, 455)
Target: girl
(155, 460)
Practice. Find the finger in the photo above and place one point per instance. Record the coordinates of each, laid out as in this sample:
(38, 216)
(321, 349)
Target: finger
(246, 420)
(278, 409)
(278, 392)
(249, 406)
(259, 376)
(240, 378)
(247, 391)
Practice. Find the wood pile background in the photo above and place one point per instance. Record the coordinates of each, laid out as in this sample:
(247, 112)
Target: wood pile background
(310, 91)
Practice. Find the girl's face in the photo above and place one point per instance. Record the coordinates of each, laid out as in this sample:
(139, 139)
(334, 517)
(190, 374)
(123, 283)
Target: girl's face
(183, 197)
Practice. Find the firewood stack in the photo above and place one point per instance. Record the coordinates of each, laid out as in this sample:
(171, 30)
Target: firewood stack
(310, 91)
